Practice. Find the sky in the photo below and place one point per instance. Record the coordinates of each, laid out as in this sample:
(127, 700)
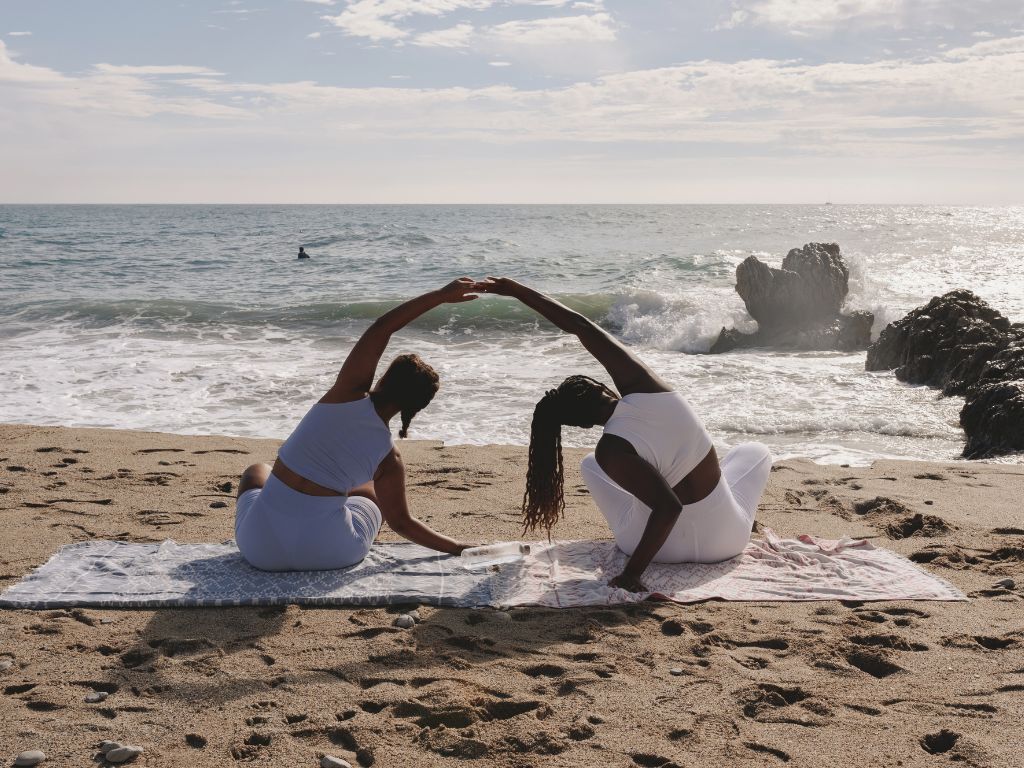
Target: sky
(512, 101)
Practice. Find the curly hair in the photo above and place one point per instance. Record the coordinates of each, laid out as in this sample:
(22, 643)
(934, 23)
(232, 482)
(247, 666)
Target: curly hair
(410, 383)
(574, 403)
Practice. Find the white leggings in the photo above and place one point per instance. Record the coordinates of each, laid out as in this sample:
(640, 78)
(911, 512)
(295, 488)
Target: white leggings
(713, 529)
(279, 529)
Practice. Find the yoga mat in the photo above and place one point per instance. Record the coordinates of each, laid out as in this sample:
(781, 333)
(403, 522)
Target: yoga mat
(564, 574)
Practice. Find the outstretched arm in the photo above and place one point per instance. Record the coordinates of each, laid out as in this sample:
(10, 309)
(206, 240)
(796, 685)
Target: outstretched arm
(389, 485)
(629, 470)
(356, 376)
(627, 371)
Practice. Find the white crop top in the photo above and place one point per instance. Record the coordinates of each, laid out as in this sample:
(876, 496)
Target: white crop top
(663, 429)
(338, 445)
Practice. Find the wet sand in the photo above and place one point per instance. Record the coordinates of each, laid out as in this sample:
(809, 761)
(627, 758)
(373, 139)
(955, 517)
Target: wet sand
(651, 685)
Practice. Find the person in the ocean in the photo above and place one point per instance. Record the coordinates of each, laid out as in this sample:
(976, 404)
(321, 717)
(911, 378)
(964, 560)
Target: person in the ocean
(302, 253)
(655, 474)
(339, 474)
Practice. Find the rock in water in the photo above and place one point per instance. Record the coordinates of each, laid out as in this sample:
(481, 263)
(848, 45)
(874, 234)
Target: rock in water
(798, 306)
(993, 420)
(809, 288)
(960, 344)
(31, 757)
(123, 754)
(945, 344)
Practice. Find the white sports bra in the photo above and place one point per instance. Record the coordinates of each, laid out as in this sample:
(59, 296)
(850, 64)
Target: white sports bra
(338, 445)
(663, 429)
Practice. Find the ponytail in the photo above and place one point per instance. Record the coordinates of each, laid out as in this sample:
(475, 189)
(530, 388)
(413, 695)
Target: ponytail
(407, 414)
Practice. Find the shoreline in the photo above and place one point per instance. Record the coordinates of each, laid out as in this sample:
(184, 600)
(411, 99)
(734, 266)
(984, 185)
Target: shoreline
(759, 683)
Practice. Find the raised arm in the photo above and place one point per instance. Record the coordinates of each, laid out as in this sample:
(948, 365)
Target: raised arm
(628, 372)
(389, 486)
(359, 368)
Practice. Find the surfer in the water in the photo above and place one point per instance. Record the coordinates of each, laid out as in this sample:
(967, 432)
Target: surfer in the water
(302, 253)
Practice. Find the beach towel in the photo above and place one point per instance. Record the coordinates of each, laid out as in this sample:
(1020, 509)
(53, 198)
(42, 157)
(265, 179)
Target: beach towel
(562, 574)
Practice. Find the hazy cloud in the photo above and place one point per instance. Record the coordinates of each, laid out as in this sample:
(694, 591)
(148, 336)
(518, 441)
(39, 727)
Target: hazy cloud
(458, 36)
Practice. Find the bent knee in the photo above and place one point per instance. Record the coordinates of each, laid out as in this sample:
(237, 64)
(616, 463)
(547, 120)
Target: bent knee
(254, 476)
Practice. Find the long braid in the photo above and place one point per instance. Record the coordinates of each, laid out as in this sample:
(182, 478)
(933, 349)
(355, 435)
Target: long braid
(573, 403)
(544, 500)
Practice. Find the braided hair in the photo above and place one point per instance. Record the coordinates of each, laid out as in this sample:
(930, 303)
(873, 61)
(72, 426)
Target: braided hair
(410, 383)
(576, 403)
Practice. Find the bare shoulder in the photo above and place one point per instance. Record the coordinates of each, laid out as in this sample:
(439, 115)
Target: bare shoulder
(611, 447)
(339, 394)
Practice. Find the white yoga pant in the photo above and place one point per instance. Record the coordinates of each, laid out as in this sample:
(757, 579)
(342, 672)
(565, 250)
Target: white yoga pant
(279, 529)
(713, 529)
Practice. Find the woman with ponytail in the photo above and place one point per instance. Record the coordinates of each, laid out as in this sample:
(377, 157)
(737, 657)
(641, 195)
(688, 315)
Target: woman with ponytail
(339, 476)
(655, 474)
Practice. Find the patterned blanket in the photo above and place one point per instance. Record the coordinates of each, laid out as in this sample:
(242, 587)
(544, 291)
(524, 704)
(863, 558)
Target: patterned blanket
(558, 574)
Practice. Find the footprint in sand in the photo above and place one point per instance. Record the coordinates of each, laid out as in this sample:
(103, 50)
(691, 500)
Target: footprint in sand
(872, 662)
(984, 642)
(765, 749)
(918, 525)
(938, 743)
(768, 703)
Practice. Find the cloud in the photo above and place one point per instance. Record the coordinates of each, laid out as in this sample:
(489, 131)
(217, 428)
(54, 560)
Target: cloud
(500, 63)
(19, 34)
(313, 35)
(597, 27)
(818, 17)
(375, 19)
(962, 101)
(458, 36)
(379, 20)
(131, 91)
(120, 69)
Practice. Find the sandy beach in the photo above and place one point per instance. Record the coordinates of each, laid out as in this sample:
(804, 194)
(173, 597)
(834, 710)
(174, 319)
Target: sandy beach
(649, 685)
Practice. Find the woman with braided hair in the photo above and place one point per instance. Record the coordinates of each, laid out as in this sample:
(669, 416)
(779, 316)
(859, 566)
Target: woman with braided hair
(339, 475)
(655, 474)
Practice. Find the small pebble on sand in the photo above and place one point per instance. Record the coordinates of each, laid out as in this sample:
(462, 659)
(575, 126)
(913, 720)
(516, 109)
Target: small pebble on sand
(96, 697)
(6, 664)
(123, 754)
(106, 620)
(218, 505)
(327, 761)
(31, 757)
(415, 616)
(502, 616)
(405, 621)
(106, 746)
(677, 671)
(1005, 584)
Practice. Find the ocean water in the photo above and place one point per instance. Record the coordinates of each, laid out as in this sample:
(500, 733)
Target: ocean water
(199, 319)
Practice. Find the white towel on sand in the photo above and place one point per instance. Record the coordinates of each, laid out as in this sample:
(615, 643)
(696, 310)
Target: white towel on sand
(560, 574)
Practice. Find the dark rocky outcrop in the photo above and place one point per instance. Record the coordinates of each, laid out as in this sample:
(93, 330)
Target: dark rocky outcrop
(944, 344)
(961, 345)
(993, 420)
(797, 306)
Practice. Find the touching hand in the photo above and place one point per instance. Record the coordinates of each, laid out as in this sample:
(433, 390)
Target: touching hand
(500, 286)
(460, 290)
(627, 582)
